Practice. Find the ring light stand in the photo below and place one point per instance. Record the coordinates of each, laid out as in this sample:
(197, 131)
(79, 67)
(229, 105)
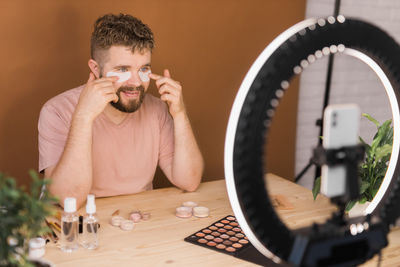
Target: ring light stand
(249, 122)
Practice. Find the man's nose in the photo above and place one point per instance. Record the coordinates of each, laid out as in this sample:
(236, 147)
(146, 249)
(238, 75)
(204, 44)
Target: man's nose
(134, 80)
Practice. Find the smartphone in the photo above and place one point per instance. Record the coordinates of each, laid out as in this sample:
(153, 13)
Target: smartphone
(340, 128)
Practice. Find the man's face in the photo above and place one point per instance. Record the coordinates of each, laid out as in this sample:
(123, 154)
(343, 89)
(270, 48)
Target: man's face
(131, 92)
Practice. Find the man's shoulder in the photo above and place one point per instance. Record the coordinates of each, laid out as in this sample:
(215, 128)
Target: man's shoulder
(61, 106)
(69, 97)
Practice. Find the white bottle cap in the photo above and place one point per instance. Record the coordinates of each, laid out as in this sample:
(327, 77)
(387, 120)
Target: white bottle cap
(70, 204)
(90, 204)
(37, 242)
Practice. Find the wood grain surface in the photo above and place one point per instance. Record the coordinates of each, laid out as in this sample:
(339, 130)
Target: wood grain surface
(159, 241)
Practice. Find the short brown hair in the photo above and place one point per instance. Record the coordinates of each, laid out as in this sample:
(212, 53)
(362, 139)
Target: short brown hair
(120, 29)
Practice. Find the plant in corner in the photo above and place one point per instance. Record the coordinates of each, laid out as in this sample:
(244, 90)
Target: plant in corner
(373, 169)
(22, 217)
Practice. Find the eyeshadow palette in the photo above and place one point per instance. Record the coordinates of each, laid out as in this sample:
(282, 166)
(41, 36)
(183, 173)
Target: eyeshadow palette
(226, 236)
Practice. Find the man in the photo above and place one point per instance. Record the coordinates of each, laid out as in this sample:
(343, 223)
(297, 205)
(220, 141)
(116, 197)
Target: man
(106, 137)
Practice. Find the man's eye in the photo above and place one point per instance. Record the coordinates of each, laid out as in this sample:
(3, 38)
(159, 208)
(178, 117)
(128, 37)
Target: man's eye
(123, 69)
(145, 69)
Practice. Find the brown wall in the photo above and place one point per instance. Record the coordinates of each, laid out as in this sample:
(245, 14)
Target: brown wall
(208, 46)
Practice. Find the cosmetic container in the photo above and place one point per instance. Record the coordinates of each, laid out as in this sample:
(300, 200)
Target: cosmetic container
(36, 248)
(69, 226)
(90, 225)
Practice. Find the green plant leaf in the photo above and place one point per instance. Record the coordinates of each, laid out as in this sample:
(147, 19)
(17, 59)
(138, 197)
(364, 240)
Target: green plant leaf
(316, 187)
(21, 216)
(383, 151)
(369, 117)
(364, 186)
(350, 205)
(362, 200)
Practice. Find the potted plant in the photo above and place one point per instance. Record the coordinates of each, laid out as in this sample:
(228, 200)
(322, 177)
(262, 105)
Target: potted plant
(22, 216)
(373, 169)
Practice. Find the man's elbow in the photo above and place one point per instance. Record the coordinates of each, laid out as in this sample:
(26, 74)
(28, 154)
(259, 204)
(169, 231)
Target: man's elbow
(195, 181)
(63, 194)
(192, 187)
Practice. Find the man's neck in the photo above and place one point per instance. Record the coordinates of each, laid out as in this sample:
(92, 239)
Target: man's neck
(114, 114)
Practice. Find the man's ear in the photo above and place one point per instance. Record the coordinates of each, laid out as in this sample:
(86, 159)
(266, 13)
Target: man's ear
(94, 67)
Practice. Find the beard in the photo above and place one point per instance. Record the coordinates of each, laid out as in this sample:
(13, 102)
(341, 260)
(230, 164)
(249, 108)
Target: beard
(133, 104)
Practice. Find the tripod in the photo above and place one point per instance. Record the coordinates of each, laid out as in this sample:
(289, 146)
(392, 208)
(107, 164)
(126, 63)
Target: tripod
(319, 122)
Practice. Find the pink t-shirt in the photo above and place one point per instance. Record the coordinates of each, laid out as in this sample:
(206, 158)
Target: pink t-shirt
(125, 156)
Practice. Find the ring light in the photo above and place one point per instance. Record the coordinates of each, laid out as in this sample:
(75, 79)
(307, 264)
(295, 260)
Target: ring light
(251, 115)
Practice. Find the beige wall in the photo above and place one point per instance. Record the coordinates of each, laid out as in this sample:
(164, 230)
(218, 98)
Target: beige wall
(208, 46)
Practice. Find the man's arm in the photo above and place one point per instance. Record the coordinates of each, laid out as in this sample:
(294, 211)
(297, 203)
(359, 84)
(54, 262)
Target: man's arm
(72, 175)
(188, 163)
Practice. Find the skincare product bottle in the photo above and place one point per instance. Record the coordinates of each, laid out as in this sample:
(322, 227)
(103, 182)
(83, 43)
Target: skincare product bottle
(69, 226)
(36, 248)
(90, 225)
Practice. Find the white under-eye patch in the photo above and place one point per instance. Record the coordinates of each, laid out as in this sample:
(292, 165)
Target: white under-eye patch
(144, 76)
(123, 76)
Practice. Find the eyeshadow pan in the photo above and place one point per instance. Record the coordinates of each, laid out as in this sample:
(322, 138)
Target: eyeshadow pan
(231, 218)
(239, 235)
(221, 246)
(228, 227)
(224, 236)
(243, 241)
(230, 249)
(213, 228)
(200, 234)
(209, 237)
(211, 244)
(233, 223)
(231, 233)
(226, 242)
(219, 224)
(202, 241)
(224, 221)
(222, 230)
(207, 231)
(218, 240)
(237, 229)
(234, 239)
(237, 245)
(215, 234)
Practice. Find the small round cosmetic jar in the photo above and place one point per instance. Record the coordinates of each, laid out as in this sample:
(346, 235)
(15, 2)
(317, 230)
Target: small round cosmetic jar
(135, 216)
(146, 216)
(116, 220)
(183, 212)
(36, 248)
(189, 204)
(201, 212)
(127, 225)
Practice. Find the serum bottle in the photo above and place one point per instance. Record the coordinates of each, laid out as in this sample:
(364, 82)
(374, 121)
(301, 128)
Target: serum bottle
(90, 225)
(69, 226)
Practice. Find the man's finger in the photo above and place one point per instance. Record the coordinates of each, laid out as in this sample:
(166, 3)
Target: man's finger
(167, 81)
(112, 97)
(166, 73)
(167, 98)
(112, 78)
(155, 76)
(169, 90)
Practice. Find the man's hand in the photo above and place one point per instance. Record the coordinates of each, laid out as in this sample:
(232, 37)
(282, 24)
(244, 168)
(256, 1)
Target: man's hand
(95, 96)
(170, 91)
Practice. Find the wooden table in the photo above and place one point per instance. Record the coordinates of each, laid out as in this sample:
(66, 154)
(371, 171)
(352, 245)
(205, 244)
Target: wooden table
(159, 241)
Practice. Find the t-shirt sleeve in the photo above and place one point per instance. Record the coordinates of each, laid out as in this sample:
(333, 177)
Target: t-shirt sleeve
(53, 132)
(166, 154)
